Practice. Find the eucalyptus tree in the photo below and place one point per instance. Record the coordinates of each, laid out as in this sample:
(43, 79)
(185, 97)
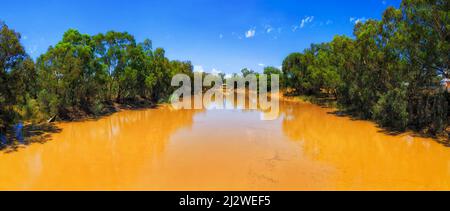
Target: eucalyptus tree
(17, 77)
(70, 76)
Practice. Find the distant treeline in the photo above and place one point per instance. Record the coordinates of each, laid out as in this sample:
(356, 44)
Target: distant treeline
(81, 73)
(394, 71)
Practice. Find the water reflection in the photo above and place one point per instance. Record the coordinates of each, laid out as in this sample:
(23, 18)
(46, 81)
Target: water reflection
(18, 129)
(110, 153)
(365, 157)
(18, 135)
(304, 148)
(3, 140)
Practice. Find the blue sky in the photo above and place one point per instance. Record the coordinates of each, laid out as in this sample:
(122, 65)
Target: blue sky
(216, 35)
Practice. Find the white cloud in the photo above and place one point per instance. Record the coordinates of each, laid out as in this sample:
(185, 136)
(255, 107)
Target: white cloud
(250, 33)
(261, 65)
(272, 31)
(306, 20)
(198, 69)
(214, 71)
(360, 20)
(201, 69)
(355, 20)
(269, 29)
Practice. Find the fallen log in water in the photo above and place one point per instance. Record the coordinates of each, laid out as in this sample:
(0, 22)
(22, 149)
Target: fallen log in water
(51, 120)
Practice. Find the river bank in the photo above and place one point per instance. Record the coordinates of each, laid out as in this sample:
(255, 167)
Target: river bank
(307, 147)
(41, 131)
(330, 102)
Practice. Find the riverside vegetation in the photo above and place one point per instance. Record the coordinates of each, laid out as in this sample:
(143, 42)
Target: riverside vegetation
(82, 76)
(390, 72)
(393, 71)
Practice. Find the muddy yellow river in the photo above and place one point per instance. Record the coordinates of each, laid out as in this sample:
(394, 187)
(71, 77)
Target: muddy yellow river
(305, 148)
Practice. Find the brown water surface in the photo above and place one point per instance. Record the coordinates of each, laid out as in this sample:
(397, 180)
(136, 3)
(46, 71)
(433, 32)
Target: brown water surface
(305, 148)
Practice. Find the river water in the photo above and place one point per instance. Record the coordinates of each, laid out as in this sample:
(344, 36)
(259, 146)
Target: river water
(305, 148)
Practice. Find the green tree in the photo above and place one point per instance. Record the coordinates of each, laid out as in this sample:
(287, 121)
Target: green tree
(245, 72)
(69, 74)
(390, 71)
(14, 67)
(294, 72)
(112, 51)
(391, 109)
(269, 71)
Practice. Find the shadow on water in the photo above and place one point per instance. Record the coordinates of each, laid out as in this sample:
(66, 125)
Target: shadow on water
(21, 136)
(327, 102)
(392, 132)
(109, 108)
(24, 135)
(323, 101)
(116, 109)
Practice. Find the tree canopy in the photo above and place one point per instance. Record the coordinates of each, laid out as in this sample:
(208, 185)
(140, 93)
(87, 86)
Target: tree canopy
(81, 73)
(390, 71)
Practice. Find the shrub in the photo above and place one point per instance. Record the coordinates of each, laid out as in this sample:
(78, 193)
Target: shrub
(391, 110)
(31, 110)
(48, 103)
